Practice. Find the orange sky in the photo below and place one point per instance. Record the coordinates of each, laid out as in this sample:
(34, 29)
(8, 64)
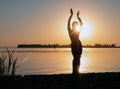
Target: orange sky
(44, 22)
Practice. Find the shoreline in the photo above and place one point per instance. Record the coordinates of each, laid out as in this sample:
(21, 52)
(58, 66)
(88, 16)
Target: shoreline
(69, 47)
(106, 80)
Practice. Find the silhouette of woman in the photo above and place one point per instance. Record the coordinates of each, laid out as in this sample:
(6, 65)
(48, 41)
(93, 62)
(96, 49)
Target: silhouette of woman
(76, 46)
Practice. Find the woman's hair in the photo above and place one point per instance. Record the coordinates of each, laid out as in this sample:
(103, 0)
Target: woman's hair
(75, 23)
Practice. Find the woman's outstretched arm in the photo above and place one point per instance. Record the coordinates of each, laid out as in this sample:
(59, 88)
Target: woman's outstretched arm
(80, 21)
(69, 29)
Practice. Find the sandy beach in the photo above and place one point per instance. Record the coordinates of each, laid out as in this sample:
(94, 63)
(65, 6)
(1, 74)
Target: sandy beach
(62, 81)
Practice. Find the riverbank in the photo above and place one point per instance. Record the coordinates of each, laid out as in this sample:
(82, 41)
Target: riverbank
(62, 81)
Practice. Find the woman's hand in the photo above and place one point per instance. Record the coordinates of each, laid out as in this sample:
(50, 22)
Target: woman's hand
(78, 13)
(71, 11)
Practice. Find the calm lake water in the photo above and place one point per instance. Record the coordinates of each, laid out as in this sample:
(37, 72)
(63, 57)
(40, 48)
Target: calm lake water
(59, 60)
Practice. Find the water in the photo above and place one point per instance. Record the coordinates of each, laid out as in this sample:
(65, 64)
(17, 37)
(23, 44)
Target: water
(59, 61)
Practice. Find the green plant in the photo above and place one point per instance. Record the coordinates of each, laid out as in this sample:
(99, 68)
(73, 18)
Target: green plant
(8, 63)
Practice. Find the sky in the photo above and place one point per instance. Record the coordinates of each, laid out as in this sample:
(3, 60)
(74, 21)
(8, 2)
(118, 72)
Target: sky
(45, 21)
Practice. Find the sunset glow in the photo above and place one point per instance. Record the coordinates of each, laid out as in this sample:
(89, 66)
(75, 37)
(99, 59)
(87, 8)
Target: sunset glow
(78, 28)
(70, 44)
(35, 22)
(85, 31)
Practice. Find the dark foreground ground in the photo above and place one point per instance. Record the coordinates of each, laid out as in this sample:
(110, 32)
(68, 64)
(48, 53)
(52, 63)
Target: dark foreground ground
(62, 81)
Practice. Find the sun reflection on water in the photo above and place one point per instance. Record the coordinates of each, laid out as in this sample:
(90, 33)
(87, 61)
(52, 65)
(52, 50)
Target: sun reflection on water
(83, 63)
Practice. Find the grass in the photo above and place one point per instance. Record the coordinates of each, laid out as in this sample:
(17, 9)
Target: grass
(8, 63)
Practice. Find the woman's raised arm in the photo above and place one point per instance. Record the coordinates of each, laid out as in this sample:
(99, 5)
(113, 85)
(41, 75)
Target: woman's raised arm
(80, 21)
(69, 29)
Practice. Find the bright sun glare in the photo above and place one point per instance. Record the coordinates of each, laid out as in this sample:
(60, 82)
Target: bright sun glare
(77, 28)
(85, 30)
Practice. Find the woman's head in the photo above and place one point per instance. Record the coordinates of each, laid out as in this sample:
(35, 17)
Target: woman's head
(74, 24)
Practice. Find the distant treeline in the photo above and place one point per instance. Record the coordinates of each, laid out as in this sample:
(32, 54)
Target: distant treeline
(105, 45)
(97, 45)
(42, 46)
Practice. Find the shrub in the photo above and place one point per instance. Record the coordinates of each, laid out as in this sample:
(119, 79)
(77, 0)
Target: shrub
(8, 63)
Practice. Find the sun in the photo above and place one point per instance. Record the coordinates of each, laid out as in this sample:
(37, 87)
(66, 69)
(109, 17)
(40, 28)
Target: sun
(77, 28)
(85, 30)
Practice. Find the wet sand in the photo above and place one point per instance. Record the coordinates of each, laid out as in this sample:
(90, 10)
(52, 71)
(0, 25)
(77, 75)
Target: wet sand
(62, 81)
